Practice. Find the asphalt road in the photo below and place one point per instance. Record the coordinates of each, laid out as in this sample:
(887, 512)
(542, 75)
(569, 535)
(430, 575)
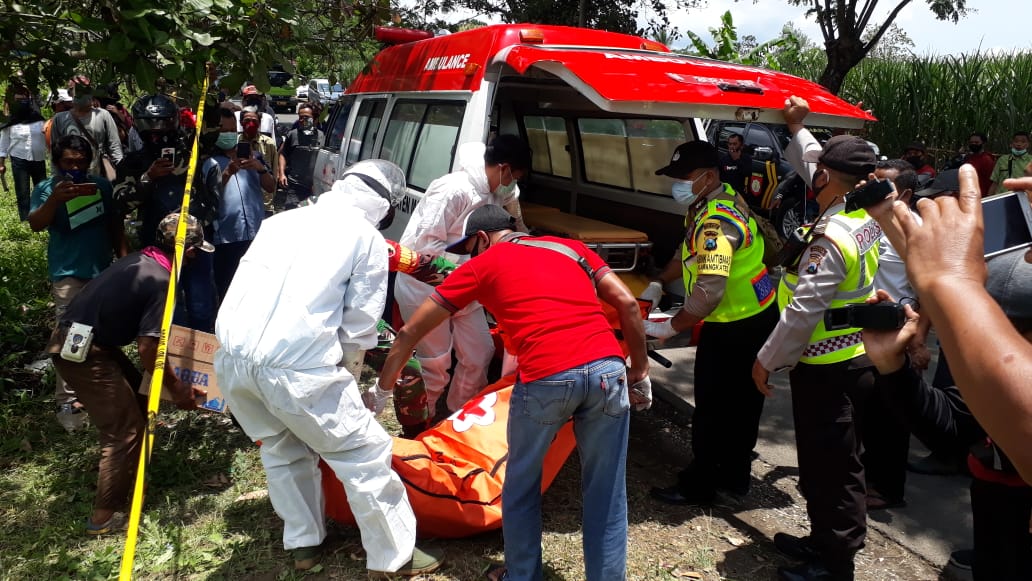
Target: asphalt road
(937, 518)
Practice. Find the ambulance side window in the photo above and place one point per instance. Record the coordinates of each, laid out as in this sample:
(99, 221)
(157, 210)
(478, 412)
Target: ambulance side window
(550, 143)
(339, 120)
(360, 146)
(420, 137)
(626, 152)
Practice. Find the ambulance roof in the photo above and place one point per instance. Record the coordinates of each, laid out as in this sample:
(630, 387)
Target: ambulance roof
(617, 72)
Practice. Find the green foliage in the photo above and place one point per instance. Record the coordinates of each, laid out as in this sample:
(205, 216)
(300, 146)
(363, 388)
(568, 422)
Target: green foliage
(24, 295)
(614, 15)
(159, 42)
(850, 35)
(937, 99)
(727, 47)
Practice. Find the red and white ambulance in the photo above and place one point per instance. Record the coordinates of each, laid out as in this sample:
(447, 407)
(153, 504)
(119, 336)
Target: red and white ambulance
(601, 111)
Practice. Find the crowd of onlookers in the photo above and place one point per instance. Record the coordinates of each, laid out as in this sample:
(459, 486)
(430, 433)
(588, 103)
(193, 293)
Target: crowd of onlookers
(138, 156)
(112, 165)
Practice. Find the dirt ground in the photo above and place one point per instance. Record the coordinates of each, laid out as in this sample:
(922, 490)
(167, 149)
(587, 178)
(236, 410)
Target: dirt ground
(731, 540)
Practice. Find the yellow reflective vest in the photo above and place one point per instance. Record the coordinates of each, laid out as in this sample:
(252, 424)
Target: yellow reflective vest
(749, 290)
(856, 235)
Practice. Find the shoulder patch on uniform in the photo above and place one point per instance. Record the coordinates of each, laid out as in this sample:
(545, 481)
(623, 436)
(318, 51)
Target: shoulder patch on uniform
(733, 216)
(817, 254)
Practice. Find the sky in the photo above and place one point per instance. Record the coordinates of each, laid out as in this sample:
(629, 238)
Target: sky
(992, 24)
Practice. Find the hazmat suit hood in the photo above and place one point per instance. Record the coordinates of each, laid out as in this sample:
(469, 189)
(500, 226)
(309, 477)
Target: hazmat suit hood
(352, 193)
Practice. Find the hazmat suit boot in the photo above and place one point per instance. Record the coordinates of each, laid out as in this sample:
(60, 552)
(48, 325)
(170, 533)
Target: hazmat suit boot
(306, 557)
(422, 562)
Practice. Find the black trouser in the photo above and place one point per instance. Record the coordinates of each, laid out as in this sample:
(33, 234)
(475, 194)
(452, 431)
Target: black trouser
(227, 259)
(828, 404)
(727, 404)
(886, 446)
(24, 171)
(1003, 545)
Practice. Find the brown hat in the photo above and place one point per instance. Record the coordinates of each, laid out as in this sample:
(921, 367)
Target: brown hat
(166, 235)
(845, 153)
(689, 157)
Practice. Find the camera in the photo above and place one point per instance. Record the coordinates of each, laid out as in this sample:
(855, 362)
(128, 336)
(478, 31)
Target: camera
(868, 195)
(881, 316)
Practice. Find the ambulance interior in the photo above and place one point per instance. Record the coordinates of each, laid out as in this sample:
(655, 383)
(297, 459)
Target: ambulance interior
(593, 173)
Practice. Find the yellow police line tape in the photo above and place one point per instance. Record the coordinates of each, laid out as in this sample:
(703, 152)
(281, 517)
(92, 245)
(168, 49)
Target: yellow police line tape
(129, 555)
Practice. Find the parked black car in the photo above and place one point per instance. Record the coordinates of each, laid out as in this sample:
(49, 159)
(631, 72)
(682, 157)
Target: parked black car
(772, 176)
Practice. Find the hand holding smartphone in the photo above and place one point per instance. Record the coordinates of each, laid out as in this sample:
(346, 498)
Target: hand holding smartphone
(169, 153)
(1008, 223)
(243, 150)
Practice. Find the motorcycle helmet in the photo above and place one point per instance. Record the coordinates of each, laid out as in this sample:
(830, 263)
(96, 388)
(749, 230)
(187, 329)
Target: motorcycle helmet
(155, 117)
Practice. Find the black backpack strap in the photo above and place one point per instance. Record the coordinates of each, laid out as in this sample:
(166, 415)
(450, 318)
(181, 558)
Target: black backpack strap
(561, 249)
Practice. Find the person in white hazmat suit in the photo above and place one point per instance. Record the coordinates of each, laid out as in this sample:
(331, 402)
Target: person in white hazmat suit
(304, 301)
(486, 175)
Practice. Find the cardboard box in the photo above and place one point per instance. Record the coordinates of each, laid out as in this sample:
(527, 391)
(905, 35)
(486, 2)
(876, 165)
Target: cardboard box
(191, 354)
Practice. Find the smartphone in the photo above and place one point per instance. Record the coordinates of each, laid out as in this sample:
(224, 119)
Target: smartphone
(883, 316)
(169, 153)
(244, 150)
(86, 189)
(868, 195)
(1008, 223)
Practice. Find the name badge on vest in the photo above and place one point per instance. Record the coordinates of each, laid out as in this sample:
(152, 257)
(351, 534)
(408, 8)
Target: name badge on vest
(84, 209)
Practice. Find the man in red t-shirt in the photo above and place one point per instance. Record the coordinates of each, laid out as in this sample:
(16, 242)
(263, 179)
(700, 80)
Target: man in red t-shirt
(542, 291)
(982, 160)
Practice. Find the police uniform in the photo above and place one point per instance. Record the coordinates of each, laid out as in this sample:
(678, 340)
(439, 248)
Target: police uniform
(728, 287)
(831, 376)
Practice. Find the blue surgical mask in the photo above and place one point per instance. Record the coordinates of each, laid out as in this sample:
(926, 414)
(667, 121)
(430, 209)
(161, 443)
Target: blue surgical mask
(226, 140)
(683, 192)
(1018, 152)
(76, 176)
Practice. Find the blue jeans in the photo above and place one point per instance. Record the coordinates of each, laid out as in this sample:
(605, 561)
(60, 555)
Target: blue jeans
(595, 396)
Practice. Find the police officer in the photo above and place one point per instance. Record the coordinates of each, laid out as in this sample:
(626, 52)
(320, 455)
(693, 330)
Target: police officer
(727, 286)
(831, 376)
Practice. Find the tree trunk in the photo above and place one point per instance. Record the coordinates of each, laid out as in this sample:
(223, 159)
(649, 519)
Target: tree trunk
(843, 55)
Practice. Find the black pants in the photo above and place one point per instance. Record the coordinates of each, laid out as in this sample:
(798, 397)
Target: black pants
(1003, 545)
(886, 445)
(828, 404)
(24, 171)
(227, 259)
(727, 404)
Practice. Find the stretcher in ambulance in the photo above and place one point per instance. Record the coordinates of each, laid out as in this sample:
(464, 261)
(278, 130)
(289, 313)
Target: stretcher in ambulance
(601, 111)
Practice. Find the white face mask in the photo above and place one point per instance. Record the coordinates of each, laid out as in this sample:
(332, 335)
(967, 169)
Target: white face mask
(503, 191)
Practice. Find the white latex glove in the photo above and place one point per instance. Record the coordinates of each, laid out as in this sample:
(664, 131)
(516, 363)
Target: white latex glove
(375, 399)
(652, 293)
(641, 395)
(660, 329)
